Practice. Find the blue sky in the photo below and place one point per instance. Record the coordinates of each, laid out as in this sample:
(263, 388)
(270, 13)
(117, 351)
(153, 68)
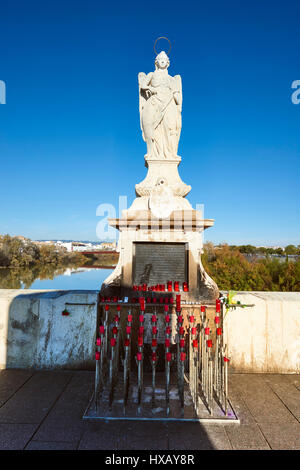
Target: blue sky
(69, 132)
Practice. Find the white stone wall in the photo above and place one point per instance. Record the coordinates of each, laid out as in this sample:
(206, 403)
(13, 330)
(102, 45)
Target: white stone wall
(266, 337)
(34, 334)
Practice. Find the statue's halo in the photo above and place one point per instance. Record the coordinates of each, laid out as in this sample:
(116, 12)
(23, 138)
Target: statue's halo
(162, 37)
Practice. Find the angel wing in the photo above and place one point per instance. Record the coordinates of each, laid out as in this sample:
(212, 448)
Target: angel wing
(143, 80)
(178, 87)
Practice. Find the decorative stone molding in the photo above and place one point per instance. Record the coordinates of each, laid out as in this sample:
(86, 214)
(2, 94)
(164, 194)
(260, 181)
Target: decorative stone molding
(164, 169)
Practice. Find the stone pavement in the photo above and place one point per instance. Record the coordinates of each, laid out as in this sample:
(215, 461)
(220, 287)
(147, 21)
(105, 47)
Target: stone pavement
(43, 410)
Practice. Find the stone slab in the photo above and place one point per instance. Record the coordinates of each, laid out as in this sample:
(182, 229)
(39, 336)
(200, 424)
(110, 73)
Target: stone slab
(261, 401)
(10, 382)
(240, 407)
(37, 445)
(15, 436)
(59, 426)
(247, 437)
(103, 436)
(287, 392)
(64, 422)
(137, 436)
(282, 436)
(33, 401)
(197, 436)
(124, 436)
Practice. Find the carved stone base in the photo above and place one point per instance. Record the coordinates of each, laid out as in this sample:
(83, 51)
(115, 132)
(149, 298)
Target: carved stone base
(166, 170)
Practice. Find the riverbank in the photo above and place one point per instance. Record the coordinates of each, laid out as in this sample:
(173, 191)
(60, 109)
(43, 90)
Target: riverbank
(22, 262)
(20, 252)
(25, 264)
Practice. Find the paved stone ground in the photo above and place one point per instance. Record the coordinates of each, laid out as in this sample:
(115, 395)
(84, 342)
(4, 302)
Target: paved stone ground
(43, 410)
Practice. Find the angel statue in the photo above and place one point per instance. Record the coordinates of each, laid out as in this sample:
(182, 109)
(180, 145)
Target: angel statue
(160, 98)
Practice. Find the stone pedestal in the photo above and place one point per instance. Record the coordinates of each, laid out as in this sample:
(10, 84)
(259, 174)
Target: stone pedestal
(161, 238)
(166, 170)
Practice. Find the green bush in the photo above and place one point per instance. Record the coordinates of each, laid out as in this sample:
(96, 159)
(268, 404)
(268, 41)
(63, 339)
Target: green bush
(231, 270)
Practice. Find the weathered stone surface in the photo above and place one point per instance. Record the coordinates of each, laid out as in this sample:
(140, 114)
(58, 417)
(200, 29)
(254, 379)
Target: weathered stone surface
(262, 338)
(167, 171)
(35, 333)
(265, 337)
(19, 319)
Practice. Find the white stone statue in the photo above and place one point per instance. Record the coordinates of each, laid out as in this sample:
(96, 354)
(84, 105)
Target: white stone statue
(160, 98)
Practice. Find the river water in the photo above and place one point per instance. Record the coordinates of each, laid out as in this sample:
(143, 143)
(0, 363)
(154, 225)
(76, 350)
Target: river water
(81, 278)
(70, 279)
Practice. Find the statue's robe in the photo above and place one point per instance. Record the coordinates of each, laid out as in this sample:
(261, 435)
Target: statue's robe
(161, 114)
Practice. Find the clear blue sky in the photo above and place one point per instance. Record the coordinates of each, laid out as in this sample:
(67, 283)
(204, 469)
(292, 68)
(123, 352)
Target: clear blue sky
(70, 136)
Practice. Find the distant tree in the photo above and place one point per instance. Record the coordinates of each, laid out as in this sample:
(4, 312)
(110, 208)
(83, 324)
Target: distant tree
(4, 260)
(248, 249)
(15, 253)
(291, 250)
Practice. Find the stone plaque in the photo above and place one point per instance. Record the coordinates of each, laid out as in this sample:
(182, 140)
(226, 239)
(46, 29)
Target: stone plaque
(157, 263)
